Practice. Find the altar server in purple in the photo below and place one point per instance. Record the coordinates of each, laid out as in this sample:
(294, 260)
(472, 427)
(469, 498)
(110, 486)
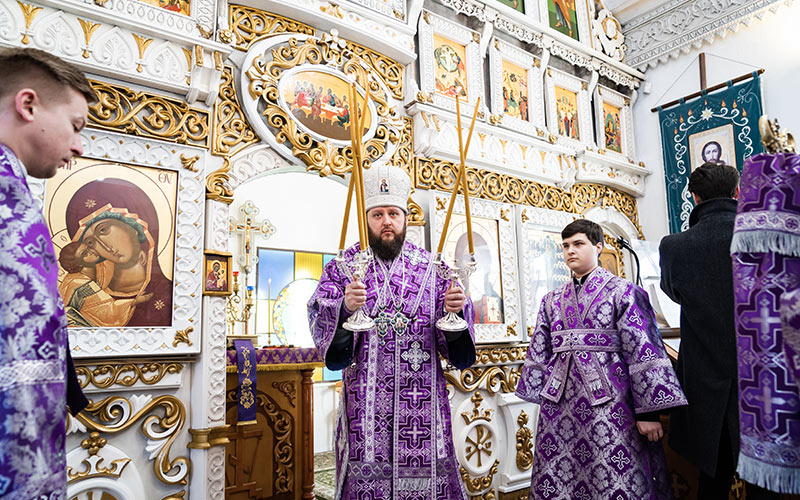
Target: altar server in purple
(597, 366)
(43, 106)
(393, 436)
(766, 275)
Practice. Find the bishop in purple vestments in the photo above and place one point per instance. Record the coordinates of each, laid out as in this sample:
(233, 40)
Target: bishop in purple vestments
(393, 435)
(43, 105)
(766, 270)
(597, 366)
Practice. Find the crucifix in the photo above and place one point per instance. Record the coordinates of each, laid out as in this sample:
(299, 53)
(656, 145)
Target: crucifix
(247, 227)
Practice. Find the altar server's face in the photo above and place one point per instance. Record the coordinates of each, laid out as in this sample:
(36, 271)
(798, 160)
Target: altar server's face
(579, 253)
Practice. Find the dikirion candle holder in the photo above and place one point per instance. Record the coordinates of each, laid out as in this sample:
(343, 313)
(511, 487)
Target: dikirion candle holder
(452, 322)
(359, 321)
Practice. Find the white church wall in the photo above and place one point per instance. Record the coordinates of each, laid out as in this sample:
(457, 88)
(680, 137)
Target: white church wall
(768, 43)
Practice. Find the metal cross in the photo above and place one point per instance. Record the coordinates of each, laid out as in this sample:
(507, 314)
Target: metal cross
(247, 227)
(382, 322)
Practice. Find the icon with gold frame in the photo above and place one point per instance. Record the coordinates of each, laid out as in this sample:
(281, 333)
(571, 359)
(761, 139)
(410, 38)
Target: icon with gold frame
(217, 273)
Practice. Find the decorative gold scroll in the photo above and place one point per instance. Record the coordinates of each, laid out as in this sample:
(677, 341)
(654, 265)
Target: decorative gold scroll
(218, 187)
(477, 484)
(502, 355)
(493, 379)
(232, 133)
(524, 445)
(250, 25)
(107, 412)
(323, 158)
(147, 115)
(126, 374)
(403, 156)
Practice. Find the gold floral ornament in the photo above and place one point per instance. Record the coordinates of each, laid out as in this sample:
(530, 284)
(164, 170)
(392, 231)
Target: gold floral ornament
(250, 25)
(524, 445)
(147, 115)
(297, 92)
(231, 130)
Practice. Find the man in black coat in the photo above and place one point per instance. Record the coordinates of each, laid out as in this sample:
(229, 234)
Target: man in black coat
(696, 272)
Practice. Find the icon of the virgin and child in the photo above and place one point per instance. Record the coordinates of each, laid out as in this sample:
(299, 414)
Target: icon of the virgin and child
(113, 277)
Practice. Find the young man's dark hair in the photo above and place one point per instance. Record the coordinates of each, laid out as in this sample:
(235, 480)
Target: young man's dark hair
(48, 75)
(592, 230)
(714, 180)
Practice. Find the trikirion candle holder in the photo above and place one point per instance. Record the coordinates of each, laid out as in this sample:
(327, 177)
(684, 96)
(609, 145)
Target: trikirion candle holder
(360, 321)
(452, 322)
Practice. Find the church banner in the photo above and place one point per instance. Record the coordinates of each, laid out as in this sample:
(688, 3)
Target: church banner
(721, 126)
(246, 357)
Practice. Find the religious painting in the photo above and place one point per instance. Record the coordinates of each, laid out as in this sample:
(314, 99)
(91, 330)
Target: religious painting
(113, 231)
(545, 266)
(451, 71)
(216, 273)
(567, 112)
(563, 17)
(715, 145)
(180, 6)
(484, 286)
(612, 127)
(515, 91)
(320, 102)
(518, 5)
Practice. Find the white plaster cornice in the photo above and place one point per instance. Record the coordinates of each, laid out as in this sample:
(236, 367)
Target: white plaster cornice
(678, 26)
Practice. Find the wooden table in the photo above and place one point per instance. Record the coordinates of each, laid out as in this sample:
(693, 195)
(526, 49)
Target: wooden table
(274, 457)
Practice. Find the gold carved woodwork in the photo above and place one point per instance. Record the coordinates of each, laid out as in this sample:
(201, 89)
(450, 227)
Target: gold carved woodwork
(250, 25)
(774, 138)
(120, 109)
(321, 157)
(188, 162)
(218, 187)
(416, 216)
(113, 415)
(477, 414)
(616, 249)
(94, 466)
(493, 379)
(282, 424)
(175, 496)
(88, 28)
(203, 439)
(126, 374)
(524, 445)
(286, 387)
(28, 12)
(389, 71)
(440, 175)
(493, 355)
(182, 336)
(232, 133)
(522, 494)
(403, 156)
(477, 484)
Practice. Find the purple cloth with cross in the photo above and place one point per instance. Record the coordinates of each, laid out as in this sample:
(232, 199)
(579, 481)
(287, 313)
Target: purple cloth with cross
(394, 435)
(595, 361)
(33, 346)
(766, 267)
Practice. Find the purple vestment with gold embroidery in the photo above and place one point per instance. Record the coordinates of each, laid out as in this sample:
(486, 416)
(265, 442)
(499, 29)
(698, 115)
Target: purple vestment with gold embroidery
(766, 267)
(393, 436)
(595, 361)
(33, 347)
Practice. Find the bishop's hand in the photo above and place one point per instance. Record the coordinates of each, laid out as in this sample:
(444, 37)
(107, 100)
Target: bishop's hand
(355, 296)
(454, 298)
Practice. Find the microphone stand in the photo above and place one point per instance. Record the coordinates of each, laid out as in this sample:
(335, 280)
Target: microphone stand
(624, 244)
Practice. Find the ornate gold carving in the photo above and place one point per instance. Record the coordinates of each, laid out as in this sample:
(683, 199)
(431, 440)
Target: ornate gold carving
(225, 36)
(29, 12)
(188, 54)
(250, 25)
(101, 3)
(476, 37)
(198, 56)
(321, 157)
(125, 374)
(524, 216)
(183, 336)
(617, 251)
(114, 414)
(218, 60)
(522, 494)
(141, 43)
(286, 388)
(403, 156)
(424, 97)
(232, 133)
(524, 445)
(218, 186)
(147, 115)
(175, 496)
(584, 86)
(495, 119)
(493, 379)
(93, 444)
(426, 17)
(440, 203)
(440, 175)
(88, 28)
(773, 137)
(189, 161)
(504, 214)
(501, 355)
(387, 69)
(203, 439)
(477, 484)
(416, 216)
(205, 31)
(476, 414)
(552, 138)
(332, 10)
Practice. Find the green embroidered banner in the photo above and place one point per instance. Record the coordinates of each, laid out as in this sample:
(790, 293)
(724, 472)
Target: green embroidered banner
(721, 126)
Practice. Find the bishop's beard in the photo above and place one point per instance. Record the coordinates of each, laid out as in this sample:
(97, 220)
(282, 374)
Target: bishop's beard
(387, 250)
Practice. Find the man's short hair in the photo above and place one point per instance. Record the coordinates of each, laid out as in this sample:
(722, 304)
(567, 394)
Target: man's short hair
(714, 180)
(45, 73)
(592, 230)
